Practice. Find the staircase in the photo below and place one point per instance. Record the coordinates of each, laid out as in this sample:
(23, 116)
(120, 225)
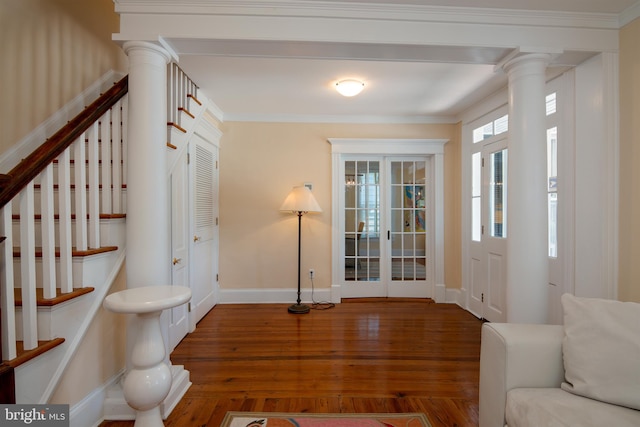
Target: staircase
(62, 218)
(62, 234)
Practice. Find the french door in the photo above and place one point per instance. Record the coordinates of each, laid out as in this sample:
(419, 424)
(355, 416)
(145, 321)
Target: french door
(387, 228)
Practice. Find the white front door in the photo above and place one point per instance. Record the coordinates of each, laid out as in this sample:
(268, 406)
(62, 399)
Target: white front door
(179, 316)
(488, 247)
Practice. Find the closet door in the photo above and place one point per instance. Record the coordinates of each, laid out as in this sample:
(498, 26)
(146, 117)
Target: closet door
(179, 180)
(204, 265)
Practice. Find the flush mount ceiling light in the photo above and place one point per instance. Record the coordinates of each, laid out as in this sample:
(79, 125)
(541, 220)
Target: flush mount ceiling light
(349, 87)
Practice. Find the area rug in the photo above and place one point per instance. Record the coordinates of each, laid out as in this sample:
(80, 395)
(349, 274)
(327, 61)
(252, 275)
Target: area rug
(274, 419)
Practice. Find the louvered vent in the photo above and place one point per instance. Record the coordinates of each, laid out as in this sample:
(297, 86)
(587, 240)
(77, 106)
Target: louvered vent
(204, 190)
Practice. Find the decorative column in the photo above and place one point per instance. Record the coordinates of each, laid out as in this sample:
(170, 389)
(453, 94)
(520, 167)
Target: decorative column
(148, 225)
(148, 230)
(148, 216)
(527, 253)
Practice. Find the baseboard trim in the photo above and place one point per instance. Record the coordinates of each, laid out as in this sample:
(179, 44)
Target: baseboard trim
(442, 294)
(273, 296)
(117, 409)
(89, 411)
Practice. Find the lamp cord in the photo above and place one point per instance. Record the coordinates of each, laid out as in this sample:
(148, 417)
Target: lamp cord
(319, 305)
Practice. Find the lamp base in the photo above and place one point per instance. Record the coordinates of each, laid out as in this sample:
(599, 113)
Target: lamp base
(299, 309)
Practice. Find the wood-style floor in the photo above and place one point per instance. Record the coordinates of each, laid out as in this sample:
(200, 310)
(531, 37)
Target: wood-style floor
(374, 355)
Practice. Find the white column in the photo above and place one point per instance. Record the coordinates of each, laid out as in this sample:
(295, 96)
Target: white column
(527, 253)
(148, 216)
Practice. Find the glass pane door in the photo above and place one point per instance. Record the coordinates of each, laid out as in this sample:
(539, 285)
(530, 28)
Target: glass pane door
(362, 221)
(408, 232)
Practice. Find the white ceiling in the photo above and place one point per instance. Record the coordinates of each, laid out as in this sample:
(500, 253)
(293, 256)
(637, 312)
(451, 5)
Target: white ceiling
(263, 80)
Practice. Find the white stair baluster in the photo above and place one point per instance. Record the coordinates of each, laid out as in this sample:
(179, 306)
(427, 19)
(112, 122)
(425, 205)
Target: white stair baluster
(64, 210)
(7, 303)
(125, 134)
(116, 150)
(80, 180)
(47, 227)
(105, 155)
(94, 186)
(28, 268)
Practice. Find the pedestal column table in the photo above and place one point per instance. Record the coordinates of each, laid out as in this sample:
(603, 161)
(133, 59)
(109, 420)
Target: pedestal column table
(148, 380)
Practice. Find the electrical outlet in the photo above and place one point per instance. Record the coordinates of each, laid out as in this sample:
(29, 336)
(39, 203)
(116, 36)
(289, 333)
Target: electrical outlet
(312, 273)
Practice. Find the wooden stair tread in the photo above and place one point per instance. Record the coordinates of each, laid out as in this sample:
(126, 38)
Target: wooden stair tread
(60, 297)
(194, 98)
(24, 356)
(73, 216)
(187, 112)
(74, 251)
(177, 126)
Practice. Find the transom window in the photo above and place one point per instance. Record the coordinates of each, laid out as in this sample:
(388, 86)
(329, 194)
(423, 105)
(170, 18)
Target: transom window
(495, 127)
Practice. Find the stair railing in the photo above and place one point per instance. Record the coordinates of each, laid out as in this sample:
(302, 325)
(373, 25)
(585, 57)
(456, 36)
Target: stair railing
(181, 90)
(95, 138)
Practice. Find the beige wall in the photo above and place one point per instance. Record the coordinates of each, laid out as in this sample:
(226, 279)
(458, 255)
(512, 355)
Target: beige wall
(261, 162)
(51, 51)
(629, 249)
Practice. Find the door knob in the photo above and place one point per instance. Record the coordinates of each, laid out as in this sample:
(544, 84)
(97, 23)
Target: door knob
(196, 238)
(176, 260)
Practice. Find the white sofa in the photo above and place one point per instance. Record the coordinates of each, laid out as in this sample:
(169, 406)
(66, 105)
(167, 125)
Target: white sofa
(583, 373)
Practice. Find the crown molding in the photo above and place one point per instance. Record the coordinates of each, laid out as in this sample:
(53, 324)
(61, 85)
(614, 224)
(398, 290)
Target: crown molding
(630, 14)
(353, 119)
(384, 11)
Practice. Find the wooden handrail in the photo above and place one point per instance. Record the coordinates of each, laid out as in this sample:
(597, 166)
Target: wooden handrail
(25, 171)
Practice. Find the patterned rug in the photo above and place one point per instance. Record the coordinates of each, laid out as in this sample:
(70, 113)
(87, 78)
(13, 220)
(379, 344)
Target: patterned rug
(274, 419)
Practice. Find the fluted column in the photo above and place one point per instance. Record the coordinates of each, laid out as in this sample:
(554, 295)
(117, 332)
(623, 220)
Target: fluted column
(527, 253)
(148, 215)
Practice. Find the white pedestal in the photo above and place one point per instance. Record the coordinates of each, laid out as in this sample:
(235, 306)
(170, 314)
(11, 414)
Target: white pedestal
(149, 380)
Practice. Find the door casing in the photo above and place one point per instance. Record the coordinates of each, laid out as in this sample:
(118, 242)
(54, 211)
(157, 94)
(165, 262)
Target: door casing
(432, 148)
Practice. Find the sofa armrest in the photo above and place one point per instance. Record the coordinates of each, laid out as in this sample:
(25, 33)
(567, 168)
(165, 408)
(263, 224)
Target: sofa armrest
(513, 356)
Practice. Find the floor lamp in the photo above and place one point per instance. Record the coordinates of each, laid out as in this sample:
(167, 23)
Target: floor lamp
(300, 201)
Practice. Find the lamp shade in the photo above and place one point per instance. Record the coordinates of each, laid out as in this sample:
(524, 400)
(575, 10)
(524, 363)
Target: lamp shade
(300, 199)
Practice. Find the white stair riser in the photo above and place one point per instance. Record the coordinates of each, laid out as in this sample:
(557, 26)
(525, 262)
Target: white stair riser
(86, 270)
(107, 226)
(61, 320)
(72, 173)
(33, 376)
(15, 208)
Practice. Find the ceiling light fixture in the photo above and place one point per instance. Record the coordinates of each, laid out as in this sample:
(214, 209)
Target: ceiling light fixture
(349, 87)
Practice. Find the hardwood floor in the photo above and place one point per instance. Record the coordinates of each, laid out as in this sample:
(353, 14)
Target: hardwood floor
(373, 355)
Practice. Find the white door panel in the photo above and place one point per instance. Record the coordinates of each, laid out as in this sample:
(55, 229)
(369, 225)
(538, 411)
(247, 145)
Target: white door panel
(204, 207)
(488, 246)
(179, 316)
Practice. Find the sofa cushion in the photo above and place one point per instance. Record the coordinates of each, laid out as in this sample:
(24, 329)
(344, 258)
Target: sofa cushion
(601, 349)
(553, 407)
